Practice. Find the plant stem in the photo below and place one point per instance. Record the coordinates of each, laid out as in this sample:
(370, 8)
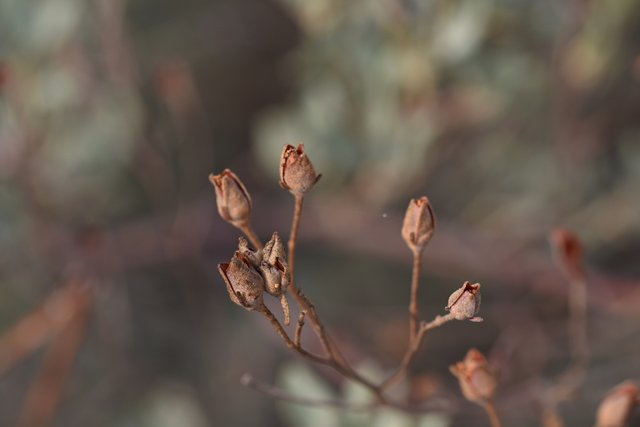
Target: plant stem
(413, 302)
(490, 409)
(283, 334)
(413, 348)
(251, 235)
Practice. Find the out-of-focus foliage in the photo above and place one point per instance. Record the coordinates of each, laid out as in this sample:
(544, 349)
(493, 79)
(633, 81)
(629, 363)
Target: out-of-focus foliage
(513, 116)
(498, 106)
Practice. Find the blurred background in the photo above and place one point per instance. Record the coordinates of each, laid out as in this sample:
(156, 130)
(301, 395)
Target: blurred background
(513, 116)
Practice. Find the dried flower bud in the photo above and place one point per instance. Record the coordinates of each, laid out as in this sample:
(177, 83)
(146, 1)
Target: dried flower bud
(275, 272)
(234, 202)
(244, 284)
(273, 267)
(296, 171)
(464, 303)
(419, 224)
(616, 407)
(477, 379)
(568, 251)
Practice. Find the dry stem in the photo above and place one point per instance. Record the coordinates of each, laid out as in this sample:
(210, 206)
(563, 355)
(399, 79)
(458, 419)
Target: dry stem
(413, 302)
(490, 409)
(413, 348)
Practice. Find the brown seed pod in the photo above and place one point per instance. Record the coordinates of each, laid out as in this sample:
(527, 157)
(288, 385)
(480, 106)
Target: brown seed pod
(232, 197)
(296, 171)
(476, 378)
(464, 303)
(419, 224)
(244, 284)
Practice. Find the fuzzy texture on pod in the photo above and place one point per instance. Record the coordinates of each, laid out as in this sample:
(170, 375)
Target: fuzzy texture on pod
(616, 407)
(296, 171)
(464, 303)
(477, 379)
(232, 197)
(419, 224)
(244, 285)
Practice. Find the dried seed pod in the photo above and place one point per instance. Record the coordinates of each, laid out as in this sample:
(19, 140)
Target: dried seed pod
(419, 224)
(568, 252)
(296, 171)
(244, 284)
(252, 257)
(275, 271)
(464, 303)
(616, 407)
(477, 379)
(232, 197)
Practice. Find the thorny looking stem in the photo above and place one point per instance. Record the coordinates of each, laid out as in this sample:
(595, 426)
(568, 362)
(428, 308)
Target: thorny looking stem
(413, 348)
(490, 409)
(251, 235)
(413, 302)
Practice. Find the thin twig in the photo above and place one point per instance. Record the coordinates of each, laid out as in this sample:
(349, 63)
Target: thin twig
(413, 348)
(299, 326)
(283, 334)
(490, 409)
(251, 235)
(413, 302)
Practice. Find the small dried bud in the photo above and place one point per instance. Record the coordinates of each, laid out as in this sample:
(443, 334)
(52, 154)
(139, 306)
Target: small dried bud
(464, 303)
(616, 407)
(419, 224)
(568, 251)
(275, 271)
(234, 202)
(296, 171)
(477, 379)
(274, 266)
(244, 284)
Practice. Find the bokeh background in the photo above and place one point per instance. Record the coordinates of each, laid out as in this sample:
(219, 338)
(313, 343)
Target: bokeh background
(513, 116)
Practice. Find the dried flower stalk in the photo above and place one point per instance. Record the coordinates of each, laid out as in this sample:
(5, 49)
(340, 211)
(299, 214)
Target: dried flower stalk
(250, 276)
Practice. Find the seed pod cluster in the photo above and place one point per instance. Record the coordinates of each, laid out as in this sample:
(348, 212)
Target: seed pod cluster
(250, 273)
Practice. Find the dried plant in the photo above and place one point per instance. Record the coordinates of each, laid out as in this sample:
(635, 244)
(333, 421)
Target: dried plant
(252, 275)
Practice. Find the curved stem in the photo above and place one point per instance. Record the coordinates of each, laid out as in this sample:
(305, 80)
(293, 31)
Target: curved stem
(490, 409)
(413, 348)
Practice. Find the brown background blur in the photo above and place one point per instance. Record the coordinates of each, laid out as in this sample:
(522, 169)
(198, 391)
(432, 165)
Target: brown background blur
(513, 116)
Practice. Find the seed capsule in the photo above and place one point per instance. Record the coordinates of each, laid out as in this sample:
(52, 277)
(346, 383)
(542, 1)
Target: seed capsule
(419, 224)
(464, 303)
(476, 378)
(244, 284)
(234, 202)
(296, 171)
(616, 407)
(275, 272)
(568, 251)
